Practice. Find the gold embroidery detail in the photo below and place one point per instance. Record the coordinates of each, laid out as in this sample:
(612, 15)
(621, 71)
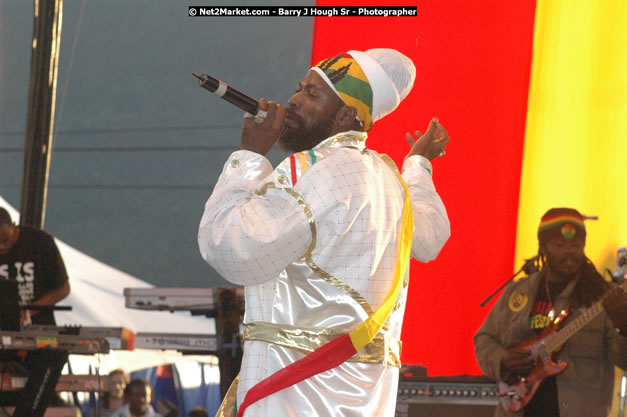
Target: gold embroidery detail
(309, 339)
(338, 284)
(308, 254)
(227, 408)
(358, 138)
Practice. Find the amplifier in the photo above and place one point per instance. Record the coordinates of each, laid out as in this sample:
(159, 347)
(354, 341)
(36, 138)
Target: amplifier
(463, 396)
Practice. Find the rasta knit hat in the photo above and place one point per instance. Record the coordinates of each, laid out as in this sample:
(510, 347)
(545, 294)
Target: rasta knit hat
(561, 221)
(374, 82)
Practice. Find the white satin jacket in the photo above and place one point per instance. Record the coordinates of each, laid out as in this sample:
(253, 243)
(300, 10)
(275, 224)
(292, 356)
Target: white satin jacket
(314, 242)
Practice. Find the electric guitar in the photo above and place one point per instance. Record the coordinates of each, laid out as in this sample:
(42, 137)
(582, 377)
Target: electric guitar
(544, 348)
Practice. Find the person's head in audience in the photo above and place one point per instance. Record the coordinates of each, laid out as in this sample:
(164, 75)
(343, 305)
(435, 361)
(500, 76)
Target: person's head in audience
(138, 394)
(117, 381)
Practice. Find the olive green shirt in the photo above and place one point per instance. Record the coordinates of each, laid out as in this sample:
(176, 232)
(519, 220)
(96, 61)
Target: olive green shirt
(585, 387)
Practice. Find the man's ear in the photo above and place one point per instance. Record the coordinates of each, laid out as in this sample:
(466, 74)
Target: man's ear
(346, 116)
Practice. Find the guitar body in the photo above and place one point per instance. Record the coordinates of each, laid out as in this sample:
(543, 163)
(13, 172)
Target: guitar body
(514, 397)
(545, 348)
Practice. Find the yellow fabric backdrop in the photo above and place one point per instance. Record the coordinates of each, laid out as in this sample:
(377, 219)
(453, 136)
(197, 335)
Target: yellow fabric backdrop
(575, 150)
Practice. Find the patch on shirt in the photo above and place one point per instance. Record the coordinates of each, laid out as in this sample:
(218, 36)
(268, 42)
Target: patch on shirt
(517, 301)
(541, 315)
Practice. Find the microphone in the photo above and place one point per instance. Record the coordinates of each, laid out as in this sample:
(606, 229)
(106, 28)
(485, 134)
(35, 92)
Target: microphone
(228, 93)
(528, 268)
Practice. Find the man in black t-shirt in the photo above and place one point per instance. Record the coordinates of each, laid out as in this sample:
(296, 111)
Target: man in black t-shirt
(31, 257)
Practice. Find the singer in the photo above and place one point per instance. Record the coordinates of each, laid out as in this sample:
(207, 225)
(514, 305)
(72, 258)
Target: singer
(323, 241)
(567, 279)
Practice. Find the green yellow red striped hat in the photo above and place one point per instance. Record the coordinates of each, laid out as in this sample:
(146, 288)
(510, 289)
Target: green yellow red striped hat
(561, 221)
(374, 82)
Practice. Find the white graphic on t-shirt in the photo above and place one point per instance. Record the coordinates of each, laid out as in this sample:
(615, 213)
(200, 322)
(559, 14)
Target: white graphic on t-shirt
(25, 280)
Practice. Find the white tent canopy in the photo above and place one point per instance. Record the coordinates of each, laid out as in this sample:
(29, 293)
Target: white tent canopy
(97, 299)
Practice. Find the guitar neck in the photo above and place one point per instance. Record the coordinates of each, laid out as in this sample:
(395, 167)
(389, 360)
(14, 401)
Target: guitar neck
(559, 338)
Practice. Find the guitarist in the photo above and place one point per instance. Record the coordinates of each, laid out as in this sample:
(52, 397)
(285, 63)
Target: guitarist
(566, 279)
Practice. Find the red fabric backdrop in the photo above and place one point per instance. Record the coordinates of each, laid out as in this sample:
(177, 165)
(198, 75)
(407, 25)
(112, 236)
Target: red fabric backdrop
(473, 62)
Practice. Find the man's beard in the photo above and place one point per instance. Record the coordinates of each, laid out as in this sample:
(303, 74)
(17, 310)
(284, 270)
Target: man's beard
(567, 273)
(303, 138)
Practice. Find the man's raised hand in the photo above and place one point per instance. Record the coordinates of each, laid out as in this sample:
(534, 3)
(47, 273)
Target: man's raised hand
(430, 145)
